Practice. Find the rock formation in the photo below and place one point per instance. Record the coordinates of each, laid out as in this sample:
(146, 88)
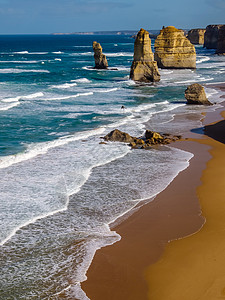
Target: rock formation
(150, 138)
(211, 36)
(221, 41)
(100, 58)
(195, 94)
(144, 68)
(196, 36)
(174, 50)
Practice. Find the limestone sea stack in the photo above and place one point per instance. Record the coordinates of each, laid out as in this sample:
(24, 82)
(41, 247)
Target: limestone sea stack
(174, 50)
(196, 36)
(144, 68)
(195, 94)
(211, 36)
(100, 58)
(221, 41)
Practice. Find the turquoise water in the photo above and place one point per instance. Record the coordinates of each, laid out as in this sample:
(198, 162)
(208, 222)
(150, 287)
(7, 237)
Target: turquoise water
(60, 188)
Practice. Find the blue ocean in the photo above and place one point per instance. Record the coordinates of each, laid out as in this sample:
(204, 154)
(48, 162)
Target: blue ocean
(60, 187)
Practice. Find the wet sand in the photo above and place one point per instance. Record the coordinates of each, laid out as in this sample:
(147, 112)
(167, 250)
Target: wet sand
(193, 268)
(139, 266)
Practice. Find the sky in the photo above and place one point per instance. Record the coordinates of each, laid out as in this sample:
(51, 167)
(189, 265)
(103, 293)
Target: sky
(50, 16)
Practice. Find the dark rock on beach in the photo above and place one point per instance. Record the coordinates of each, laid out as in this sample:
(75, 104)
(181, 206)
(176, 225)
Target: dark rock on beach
(100, 58)
(195, 94)
(150, 139)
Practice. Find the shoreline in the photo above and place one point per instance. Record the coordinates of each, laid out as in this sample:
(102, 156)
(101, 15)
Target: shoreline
(118, 271)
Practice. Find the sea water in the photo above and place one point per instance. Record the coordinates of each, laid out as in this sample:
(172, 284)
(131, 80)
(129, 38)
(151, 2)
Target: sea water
(60, 188)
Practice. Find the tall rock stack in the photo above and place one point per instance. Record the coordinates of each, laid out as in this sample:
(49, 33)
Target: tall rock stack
(144, 68)
(211, 36)
(174, 50)
(100, 58)
(221, 41)
(196, 36)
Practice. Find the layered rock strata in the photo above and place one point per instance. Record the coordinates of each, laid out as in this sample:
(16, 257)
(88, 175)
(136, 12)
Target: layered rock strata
(221, 41)
(174, 50)
(100, 58)
(211, 36)
(144, 68)
(150, 139)
(196, 36)
(195, 94)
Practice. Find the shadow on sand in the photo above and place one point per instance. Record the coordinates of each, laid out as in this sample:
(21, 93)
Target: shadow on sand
(215, 131)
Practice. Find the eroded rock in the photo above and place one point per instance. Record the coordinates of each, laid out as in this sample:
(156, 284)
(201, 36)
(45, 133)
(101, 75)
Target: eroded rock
(221, 41)
(144, 68)
(196, 36)
(195, 94)
(174, 50)
(150, 139)
(211, 36)
(100, 58)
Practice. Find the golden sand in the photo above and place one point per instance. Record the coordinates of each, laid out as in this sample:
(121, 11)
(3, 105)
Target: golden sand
(194, 267)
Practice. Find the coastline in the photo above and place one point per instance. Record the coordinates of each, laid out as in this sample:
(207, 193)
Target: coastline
(120, 271)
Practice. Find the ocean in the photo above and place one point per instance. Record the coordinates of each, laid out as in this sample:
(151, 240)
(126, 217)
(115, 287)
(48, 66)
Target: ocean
(60, 188)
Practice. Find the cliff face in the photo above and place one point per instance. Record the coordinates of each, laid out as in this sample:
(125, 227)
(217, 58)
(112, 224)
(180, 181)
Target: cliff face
(100, 59)
(211, 36)
(144, 68)
(221, 41)
(174, 50)
(196, 36)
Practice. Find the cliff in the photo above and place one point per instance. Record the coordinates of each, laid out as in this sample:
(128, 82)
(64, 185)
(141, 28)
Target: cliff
(196, 36)
(174, 50)
(211, 36)
(221, 41)
(100, 58)
(144, 68)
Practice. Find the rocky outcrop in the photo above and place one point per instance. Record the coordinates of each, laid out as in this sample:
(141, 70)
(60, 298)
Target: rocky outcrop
(144, 68)
(196, 36)
(150, 139)
(211, 36)
(195, 94)
(100, 58)
(174, 50)
(221, 41)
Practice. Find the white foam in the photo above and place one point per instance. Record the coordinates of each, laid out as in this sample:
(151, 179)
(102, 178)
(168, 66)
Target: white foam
(119, 54)
(16, 99)
(58, 59)
(81, 80)
(58, 52)
(81, 54)
(71, 96)
(42, 148)
(12, 70)
(202, 59)
(106, 90)
(64, 86)
(21, 52)
(20, 61)
(9, 106)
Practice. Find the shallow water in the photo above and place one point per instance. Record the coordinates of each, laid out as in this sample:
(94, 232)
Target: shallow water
(60, 188)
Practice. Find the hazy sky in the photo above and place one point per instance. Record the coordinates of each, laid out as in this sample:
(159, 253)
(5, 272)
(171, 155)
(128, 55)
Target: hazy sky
(48, 16)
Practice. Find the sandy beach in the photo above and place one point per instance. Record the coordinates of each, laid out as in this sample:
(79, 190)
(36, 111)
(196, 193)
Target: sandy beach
(153, 260)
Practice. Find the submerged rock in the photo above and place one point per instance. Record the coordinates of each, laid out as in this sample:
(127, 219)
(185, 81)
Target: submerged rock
(196, 36)
(195, 94)
(150, 139)
(174, 50)
(211, 36)
(144, 68)
(221, 41)
(100, 58)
